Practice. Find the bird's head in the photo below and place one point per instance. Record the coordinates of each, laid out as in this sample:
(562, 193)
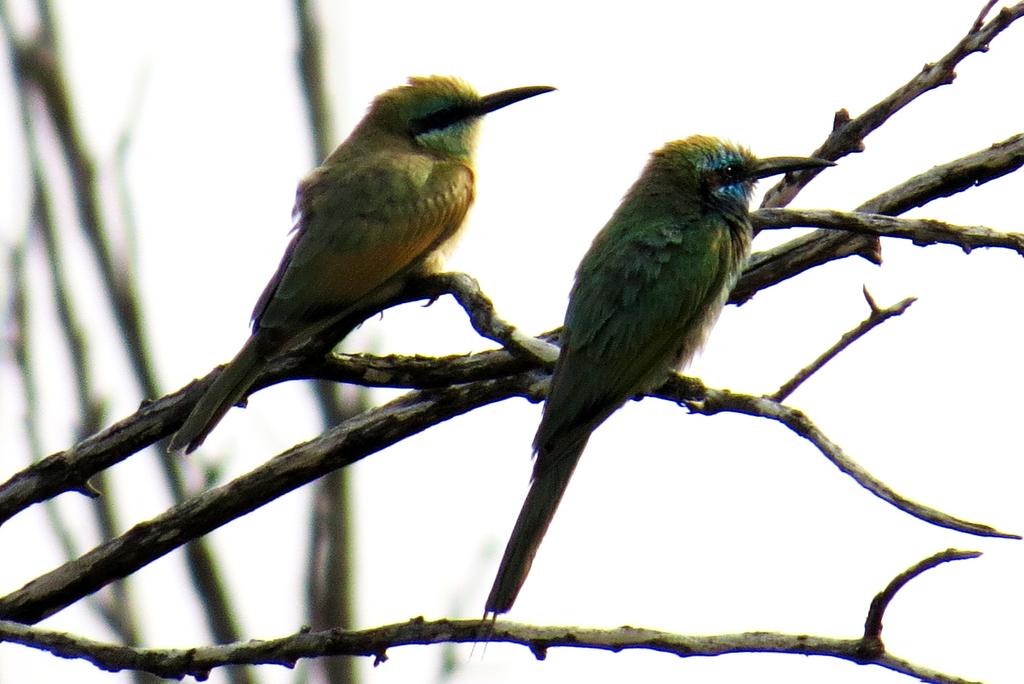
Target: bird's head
(441, 113)
(723, 173)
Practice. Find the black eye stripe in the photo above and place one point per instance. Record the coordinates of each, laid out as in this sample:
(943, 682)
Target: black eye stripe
(442, 118)
(728, 174)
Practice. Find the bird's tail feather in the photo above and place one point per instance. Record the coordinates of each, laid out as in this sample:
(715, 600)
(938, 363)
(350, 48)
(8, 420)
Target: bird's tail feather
(227, 390)
(542, 501)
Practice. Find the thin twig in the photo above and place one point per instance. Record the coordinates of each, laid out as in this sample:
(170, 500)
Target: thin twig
(485, 320)
(873, 622)
(848, 134)
(876, 317)
(718, 401)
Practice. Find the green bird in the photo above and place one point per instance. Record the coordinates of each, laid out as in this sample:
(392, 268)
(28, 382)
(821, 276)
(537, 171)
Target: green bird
(646, 295)
(387, 205)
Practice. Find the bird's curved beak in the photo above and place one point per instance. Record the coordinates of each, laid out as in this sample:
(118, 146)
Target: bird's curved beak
(773, 166)
(503, 98)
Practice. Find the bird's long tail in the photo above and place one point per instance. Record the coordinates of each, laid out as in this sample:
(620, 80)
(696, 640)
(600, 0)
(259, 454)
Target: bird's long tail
(227, 390)
(542, 501)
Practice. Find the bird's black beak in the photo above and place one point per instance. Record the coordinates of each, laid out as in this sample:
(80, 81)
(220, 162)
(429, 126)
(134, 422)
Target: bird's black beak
(503, 98)
(773, 166)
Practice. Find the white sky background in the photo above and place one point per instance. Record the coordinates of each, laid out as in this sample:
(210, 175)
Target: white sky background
(678, 522)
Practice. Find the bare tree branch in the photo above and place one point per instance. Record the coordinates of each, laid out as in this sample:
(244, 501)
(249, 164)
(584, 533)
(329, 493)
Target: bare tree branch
(366, 434)
(790, 259)
(375, 642)
(785, 261)
(70, 470)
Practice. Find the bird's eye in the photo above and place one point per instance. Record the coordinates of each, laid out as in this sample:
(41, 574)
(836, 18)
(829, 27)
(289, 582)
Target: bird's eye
(732, 173)
(726, 175)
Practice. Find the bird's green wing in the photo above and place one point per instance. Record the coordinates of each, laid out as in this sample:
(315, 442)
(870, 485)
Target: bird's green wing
(645, 296)
(359, 228)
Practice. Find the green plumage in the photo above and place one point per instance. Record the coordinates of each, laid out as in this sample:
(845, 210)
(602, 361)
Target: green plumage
(646, 295)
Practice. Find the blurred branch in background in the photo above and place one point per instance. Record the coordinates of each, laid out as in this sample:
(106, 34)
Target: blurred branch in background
(329, 588)
(114, 606)
(39, 79)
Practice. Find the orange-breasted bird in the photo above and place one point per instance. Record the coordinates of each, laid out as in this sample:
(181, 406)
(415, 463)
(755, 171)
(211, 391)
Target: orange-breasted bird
(386, 205)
